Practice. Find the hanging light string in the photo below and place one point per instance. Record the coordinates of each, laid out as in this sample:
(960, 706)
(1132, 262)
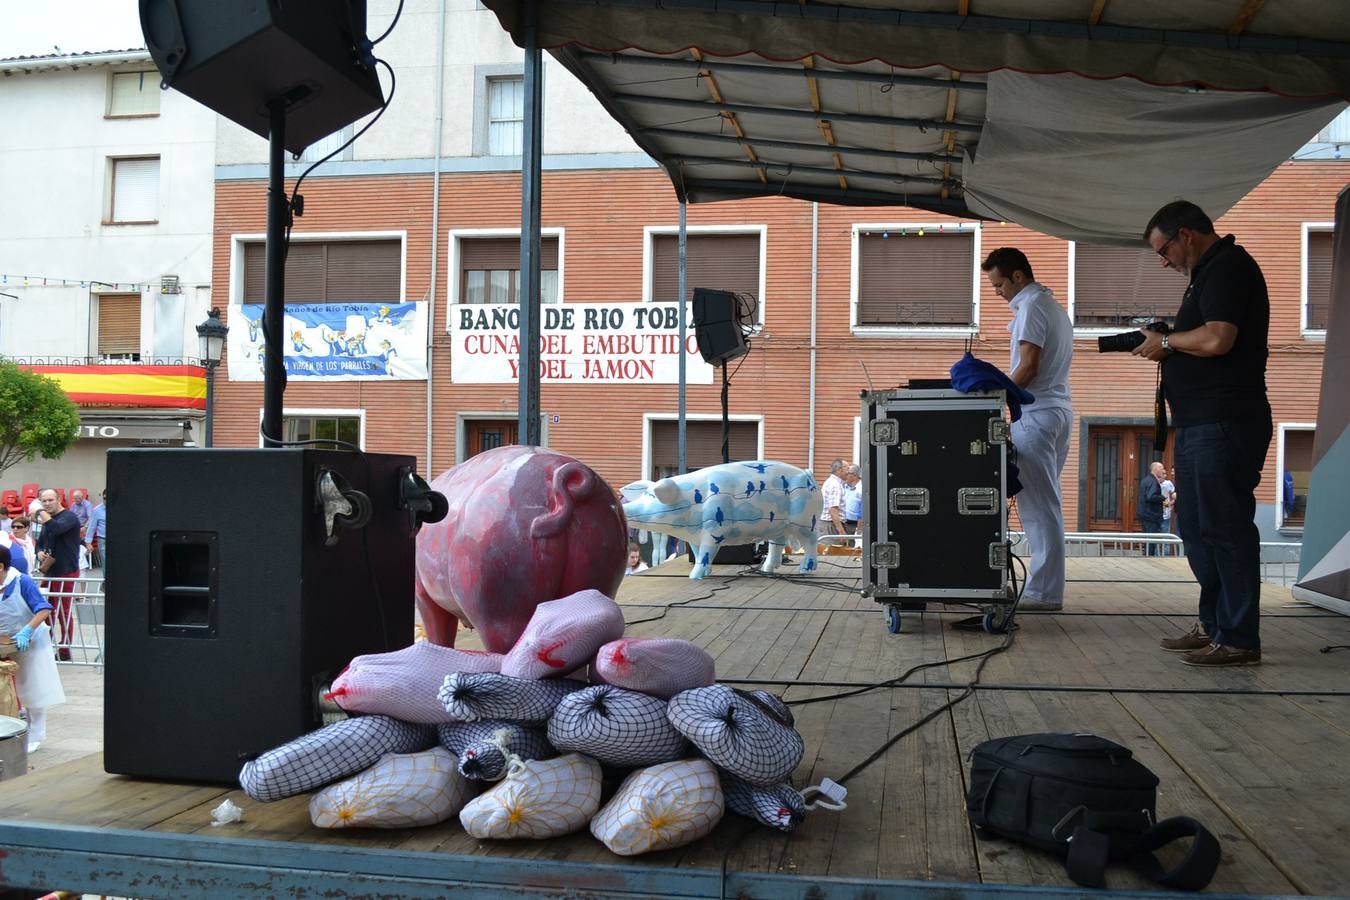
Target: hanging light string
(20, 280)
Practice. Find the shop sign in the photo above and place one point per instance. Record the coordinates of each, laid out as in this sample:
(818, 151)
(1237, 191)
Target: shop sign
(579, 343)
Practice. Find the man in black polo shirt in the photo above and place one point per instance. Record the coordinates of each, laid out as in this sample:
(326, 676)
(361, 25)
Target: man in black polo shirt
(1214, 378)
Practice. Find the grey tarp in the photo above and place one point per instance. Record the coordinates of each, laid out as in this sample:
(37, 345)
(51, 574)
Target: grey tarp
(1092, 160)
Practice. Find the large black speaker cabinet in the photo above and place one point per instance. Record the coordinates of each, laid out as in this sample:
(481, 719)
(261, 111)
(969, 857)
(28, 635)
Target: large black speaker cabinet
(236, 58)
(717, 326)
(230, 604)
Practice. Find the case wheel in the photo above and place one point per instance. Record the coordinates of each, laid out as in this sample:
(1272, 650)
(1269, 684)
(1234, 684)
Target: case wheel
(893, 619)
(996, 619)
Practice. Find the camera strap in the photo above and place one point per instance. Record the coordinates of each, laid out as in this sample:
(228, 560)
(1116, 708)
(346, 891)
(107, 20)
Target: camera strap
(1159, 415)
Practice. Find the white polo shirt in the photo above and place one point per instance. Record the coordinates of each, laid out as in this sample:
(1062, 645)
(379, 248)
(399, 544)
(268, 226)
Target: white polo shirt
(1039, 320)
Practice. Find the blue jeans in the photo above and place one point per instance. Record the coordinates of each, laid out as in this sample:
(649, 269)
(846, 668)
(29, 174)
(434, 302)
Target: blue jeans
(1218, 468)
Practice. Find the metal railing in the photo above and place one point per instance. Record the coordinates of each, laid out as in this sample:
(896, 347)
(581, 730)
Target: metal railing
(77, 620)
(104, 360)
(1279, 559)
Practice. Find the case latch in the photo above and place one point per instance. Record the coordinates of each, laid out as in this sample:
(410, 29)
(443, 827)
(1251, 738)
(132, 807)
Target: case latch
(998, 431)
(909, 501)
(977, 501)
(885, 432)
(886, 555)
(998, 555)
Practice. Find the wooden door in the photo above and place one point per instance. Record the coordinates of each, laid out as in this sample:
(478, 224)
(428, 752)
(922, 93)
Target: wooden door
(485, 434)
(1118, 458)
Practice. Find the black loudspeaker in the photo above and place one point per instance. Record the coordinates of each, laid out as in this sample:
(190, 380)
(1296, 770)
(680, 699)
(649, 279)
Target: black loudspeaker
(236, 58)
(717, 325)
(243, 582)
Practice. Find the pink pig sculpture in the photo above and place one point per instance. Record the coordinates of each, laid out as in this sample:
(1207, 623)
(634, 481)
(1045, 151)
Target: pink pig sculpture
(525, 525)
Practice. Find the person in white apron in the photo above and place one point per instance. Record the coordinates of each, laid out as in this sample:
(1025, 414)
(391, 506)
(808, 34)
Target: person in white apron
(23, 618)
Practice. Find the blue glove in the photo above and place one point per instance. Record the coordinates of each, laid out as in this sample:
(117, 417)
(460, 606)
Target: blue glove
(23, 637)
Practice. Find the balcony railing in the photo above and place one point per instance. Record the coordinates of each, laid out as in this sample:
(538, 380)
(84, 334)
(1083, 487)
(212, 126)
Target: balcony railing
(103, 361)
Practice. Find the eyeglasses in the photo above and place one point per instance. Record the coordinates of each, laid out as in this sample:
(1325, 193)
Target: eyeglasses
(1162, 251)
(18, 528)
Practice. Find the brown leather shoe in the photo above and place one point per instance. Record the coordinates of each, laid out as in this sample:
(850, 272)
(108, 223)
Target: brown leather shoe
(1220, 655)
(1195, 639)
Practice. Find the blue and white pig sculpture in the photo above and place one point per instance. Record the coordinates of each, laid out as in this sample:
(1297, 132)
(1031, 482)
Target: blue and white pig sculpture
(734, 503)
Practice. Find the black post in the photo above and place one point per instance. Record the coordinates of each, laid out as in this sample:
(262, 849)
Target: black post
(531, 179)
(274, 295)
(726, 418)
(210, 398)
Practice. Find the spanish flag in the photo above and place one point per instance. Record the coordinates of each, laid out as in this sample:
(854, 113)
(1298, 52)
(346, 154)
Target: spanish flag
(179, 387)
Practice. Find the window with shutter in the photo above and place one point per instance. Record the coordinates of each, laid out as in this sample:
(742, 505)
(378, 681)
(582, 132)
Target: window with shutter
(1122, 286)
(489, 269)
(505, 116)
(133, 94)
(1296, 479)
(339, 271)
(1318, 288)
(909, 280)
(134, 194)
(119, 326)
(702, 444)
(726, 262)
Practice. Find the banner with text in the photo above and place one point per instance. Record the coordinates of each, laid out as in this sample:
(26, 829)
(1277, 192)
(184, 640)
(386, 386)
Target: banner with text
(580, 343)
(335, 341)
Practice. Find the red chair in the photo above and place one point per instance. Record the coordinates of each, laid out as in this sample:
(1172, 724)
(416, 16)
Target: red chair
(13, 506)
(28, 493)
(61, 494)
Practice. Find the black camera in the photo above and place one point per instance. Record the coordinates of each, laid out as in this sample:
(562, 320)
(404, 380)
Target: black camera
(1127, 341)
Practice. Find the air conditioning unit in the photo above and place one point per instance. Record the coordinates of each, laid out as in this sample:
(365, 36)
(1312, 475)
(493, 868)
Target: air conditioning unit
(168, 284)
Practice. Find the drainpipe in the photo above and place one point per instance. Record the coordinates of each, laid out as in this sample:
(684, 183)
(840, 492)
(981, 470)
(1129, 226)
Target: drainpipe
(435, 220)
(811, 388)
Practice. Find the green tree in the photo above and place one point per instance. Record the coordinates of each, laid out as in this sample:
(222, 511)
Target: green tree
(36, 417)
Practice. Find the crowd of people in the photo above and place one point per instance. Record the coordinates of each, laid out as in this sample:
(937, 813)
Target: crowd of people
(43, 557)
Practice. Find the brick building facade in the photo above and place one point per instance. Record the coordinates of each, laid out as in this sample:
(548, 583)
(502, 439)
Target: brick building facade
(606, 226)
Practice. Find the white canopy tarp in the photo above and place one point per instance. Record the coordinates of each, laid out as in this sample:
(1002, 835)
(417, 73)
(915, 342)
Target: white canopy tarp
(1092, 161)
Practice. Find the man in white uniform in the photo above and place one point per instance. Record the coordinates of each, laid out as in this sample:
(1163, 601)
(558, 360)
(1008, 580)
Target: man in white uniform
(1042, 346)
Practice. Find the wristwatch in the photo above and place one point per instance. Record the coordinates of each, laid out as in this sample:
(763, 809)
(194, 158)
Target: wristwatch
(1165, 345)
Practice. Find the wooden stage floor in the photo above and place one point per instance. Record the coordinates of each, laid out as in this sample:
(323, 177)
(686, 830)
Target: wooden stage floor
(1254, 753)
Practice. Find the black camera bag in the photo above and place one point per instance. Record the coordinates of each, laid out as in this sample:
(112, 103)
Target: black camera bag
(1085, 798)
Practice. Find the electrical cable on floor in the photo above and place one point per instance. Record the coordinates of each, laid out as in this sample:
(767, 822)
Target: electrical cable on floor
(1039, 688)
(668, 606)
(1330, 648)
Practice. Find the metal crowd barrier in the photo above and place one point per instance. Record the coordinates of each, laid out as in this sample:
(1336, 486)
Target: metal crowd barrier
(77, 621)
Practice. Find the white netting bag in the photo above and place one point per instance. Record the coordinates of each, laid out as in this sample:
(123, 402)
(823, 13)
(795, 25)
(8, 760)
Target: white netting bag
(403, 683)
(484, 748)
(748, 735)
(664, 806)
(662, 667)
(488, 695)
(563, 635)
(330, 754)
(617, 727)
(402, 790)
(541, 798)
(778, 806)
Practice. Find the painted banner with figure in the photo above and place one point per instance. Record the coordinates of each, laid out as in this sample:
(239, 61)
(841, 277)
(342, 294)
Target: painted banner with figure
(335, 341)
(579, 343)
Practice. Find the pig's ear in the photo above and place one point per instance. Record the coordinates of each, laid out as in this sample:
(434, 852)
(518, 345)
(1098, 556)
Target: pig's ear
(667, 491)
(634, 490)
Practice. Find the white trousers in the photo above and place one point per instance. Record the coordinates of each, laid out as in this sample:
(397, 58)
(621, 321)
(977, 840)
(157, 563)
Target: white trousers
(1042, 441)
(37, 723)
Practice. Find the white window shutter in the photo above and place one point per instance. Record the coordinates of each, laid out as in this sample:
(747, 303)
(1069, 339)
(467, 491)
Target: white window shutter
(134, 94)
(135, 195)
(506, 109)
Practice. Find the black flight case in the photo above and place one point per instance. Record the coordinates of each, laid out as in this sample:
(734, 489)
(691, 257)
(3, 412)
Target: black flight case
(935, 510)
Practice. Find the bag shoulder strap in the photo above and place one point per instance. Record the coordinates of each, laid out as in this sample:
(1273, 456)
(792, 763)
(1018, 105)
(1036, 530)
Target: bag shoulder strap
(1090, 851)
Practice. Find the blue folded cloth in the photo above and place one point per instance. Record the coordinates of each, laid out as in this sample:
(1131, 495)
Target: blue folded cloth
(973, 374)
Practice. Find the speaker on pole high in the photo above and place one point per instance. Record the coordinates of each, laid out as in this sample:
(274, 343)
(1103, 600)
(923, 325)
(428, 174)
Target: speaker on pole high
(717, 325)
(238, 59)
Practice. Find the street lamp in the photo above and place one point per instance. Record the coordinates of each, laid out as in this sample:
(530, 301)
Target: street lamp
(211, 344)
